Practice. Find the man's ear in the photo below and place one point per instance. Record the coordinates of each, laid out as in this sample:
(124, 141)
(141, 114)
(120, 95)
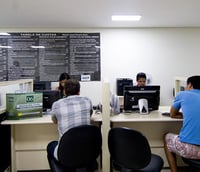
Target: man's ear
(190, 86)
(79, 93)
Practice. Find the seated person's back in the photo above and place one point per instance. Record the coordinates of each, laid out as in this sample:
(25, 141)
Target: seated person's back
(70, 111)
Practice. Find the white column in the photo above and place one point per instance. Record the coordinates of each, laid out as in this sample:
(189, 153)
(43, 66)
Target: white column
(105, 126)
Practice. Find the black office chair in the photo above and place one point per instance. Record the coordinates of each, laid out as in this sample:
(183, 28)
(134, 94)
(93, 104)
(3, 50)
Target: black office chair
(194, 164)
(78, 150)
(130, 151)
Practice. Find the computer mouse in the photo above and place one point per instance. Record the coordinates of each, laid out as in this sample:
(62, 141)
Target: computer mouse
(166, 114)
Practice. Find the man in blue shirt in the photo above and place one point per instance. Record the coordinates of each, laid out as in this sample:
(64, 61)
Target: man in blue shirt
(187, 143)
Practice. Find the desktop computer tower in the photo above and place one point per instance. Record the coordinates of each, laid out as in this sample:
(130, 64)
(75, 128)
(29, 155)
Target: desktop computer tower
(121, 83)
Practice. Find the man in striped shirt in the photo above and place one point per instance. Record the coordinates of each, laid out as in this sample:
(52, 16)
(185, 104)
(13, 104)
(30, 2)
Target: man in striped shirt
(69, 112)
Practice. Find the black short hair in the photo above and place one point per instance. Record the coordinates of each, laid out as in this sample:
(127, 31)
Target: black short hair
(72, 87)
(63, 76)
(195, 81)
(141, 75)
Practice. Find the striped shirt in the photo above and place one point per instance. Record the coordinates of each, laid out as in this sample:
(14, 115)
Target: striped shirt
(70, 112)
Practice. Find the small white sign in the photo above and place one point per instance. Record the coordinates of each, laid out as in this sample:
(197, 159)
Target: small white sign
(85, 77)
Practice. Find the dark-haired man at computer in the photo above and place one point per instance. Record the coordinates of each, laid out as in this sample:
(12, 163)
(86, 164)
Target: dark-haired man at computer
(69, 112)
(141, 79)
(187, 143)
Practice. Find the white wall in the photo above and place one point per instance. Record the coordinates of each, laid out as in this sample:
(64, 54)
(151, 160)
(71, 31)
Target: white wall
(162, 53)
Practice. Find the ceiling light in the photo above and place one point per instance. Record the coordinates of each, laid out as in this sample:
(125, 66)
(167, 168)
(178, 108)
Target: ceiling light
(5, 46)
(33, 46)
(126, 18)
(4, 33)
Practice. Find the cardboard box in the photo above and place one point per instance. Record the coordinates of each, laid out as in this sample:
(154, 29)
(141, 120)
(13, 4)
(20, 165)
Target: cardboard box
(23, 105)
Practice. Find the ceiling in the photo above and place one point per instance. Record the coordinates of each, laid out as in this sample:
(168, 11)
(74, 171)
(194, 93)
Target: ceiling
(97, 13)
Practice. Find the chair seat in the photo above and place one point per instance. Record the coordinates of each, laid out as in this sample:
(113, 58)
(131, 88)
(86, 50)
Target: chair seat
(192, 162)
(155, 164)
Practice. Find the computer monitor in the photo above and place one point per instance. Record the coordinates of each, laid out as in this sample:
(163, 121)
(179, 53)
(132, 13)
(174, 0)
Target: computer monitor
(41, 85)
(49, 97)
(121, 83)
(133, 94)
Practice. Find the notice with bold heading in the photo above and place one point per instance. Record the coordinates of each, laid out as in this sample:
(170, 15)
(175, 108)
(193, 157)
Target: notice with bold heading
(44, 56)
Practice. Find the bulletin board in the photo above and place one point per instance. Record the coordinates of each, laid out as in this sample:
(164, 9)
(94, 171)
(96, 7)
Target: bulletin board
(44, 56)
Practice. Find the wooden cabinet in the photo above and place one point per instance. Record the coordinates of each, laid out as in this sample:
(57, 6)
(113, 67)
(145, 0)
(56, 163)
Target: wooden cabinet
(30, 145)
(24, 85)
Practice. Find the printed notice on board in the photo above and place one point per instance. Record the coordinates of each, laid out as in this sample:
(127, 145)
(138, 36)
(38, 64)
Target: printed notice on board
(44, 56)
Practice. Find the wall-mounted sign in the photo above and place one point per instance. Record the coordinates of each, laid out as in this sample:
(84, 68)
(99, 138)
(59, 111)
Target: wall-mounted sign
(44, 56)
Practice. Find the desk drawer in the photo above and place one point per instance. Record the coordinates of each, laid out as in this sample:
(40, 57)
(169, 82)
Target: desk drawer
(34, 137)
(31, 160)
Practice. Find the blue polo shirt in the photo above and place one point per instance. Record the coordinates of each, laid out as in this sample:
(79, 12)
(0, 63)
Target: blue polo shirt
(189, 102)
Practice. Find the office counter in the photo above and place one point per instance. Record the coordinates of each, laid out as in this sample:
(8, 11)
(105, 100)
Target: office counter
(153, 126)
(153, 116)
(45, 119)
(29, 137)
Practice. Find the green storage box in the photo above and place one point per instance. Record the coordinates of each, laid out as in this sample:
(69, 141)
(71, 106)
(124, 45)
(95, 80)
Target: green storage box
(24, 105)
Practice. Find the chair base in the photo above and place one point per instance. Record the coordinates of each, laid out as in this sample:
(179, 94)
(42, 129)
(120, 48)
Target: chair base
(57, 167)
(155, 165)
(194, 164)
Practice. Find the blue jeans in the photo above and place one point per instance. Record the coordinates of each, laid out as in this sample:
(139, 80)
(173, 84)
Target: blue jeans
(50, 151)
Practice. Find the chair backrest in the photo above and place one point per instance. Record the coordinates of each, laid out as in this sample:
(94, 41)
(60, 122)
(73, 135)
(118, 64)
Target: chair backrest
(80, 146)
(129, 148)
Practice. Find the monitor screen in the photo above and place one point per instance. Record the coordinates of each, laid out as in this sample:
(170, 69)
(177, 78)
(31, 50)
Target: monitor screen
(121, 83)
(133, 94)
(49, 97)
(41, 85)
